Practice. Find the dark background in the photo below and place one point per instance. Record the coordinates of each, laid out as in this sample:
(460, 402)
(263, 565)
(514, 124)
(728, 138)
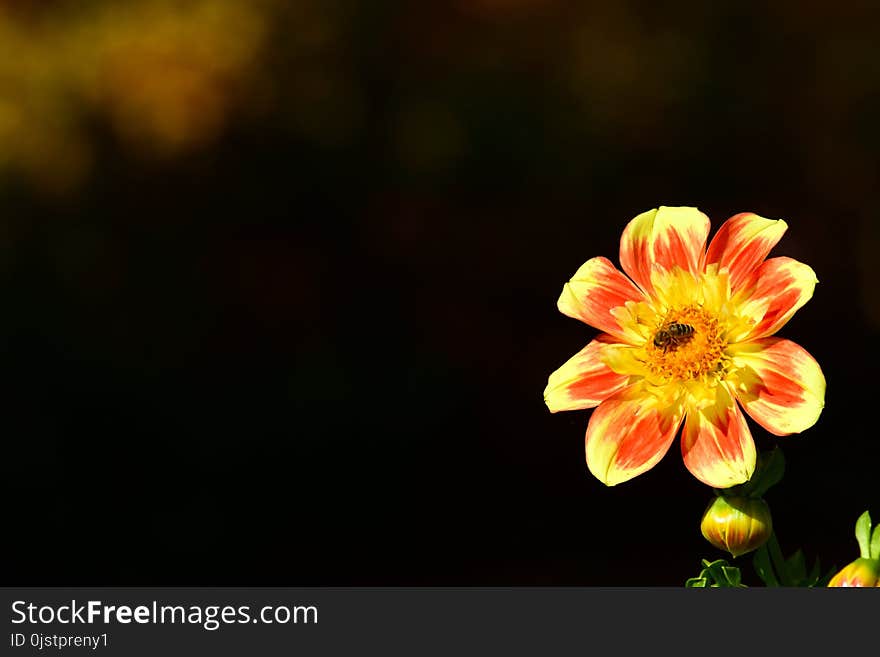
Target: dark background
(289, 322)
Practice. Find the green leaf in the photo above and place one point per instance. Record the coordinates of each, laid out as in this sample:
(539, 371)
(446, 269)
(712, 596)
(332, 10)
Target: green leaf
(763, 567)
(733, 575)
(716, 574)
(863, 534)
(778, 560)
(787, 572)
(815, 573)
(769, 471)
(716, 570)
(823, 581)
(875, 543)
(796, 567)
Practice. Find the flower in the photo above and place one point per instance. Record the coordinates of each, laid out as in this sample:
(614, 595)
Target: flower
(686, 340)
(864, 571)
(737, 524)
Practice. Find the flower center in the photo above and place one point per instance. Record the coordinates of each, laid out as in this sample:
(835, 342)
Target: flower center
(687, 344)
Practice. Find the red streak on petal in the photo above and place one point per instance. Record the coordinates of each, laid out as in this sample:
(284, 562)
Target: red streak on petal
(741, 245)
(597, 386)
(594, 291)
(644, 436)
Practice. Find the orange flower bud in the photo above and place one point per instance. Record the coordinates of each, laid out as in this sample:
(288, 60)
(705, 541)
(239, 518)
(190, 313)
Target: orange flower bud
(737, 524)
(861, 572)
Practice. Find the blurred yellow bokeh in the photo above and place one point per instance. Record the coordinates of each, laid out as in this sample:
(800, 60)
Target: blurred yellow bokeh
(164, 76)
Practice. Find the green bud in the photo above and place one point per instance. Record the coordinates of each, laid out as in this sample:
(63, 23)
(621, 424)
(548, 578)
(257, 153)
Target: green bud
(737, 524)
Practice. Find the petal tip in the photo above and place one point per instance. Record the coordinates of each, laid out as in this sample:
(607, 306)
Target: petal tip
(611, 477)
(550, 404)
(560, 302)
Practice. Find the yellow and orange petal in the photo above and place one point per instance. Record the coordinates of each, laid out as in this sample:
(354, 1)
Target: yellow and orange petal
(771, 295)
(779, 384)
(584, 380)
(596, 289)
(663, 239)
(742, 243)
(630, 432)
(716, 443)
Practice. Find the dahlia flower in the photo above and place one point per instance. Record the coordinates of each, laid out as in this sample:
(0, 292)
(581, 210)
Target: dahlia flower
(687, 339)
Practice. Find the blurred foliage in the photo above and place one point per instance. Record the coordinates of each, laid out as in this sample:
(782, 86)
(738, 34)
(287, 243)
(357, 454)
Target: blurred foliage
(450, 83)
(163, 76)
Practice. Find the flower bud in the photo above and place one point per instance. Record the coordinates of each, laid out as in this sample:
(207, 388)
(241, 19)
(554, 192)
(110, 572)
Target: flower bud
(737, 524)
(864, 571)
(861, 572)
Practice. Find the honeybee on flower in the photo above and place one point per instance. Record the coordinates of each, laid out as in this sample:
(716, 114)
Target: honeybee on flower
(646, 380)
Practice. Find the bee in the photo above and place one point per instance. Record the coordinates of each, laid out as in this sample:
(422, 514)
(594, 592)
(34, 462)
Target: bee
(672, 335)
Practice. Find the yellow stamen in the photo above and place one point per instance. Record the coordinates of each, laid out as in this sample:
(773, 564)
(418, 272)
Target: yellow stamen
(697, 355)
